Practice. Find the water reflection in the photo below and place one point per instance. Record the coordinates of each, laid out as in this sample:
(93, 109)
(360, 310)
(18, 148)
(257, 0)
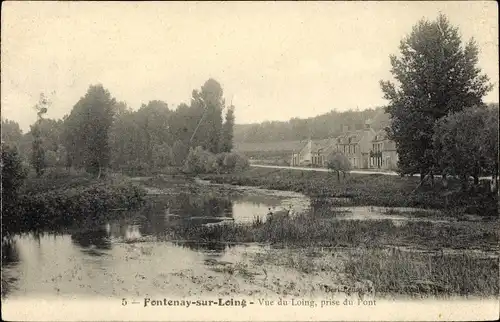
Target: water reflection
(97, 255)
(10, 258)
(212, 248)
(97, 238)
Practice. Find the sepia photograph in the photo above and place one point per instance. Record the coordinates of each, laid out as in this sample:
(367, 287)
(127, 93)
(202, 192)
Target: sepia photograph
(250, 161)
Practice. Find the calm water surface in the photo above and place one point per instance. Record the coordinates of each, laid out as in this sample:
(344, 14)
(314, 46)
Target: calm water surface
(127, 257)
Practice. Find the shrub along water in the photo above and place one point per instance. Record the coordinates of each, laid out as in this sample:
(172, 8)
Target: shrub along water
(371, 251)
(313, 230)
(366, 190)
(70, 200)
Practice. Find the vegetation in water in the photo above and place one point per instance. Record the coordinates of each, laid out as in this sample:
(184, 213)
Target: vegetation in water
(56, 200)
(369, 190)
(310, 229)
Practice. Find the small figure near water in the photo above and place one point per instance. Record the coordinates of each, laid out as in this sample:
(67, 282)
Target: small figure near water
(169, 215)
(285, 213)
(269, 215)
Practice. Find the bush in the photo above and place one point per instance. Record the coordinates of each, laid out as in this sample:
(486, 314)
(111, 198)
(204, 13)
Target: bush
(336, 161)
(162, 155)
(63, 207)
(13, 175)
(136, 168)
(235, 162)
(179, 153)
(200, 161)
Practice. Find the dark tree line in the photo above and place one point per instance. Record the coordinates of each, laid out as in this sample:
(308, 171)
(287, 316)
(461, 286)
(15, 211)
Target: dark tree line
(319, 127)
(101, 132)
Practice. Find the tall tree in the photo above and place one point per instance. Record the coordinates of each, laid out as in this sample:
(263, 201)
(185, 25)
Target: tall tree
(436, 74)
(337, 162)
(179, 153)
(458, 143)
(87, 128)
(227, 131)
(211, 101)
(153, 120)
(38, 151)
(13, 175)
(11, 133)
(490, 141)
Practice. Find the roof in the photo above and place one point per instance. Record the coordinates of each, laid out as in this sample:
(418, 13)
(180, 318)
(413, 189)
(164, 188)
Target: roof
(380, 136)
(317, 145)
(350, 137)
(321, 144)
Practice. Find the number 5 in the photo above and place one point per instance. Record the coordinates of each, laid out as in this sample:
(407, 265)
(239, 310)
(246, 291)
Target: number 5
(124, 302)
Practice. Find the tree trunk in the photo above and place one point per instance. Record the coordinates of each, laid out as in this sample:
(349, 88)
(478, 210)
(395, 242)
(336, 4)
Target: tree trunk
(338, 175)
(464, 182)
(99, 173)
(444, 180)
(476, 180)
(432, 179)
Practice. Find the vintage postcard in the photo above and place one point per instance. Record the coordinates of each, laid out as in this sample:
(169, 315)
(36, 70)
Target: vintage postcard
(250, 161)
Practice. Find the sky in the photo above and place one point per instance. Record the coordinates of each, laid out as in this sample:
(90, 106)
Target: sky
(275, 60)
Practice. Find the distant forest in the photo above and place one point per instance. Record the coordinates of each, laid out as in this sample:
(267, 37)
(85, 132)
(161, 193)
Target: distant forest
(319, 127)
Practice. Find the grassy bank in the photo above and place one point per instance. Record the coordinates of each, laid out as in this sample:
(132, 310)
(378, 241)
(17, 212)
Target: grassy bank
(394, 259)
(365, 190)
(385, 273)
(60, 199)
(310, 230)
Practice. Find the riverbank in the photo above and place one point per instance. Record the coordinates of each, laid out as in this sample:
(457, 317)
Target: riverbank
(366, 190)
(62, 198)
(437, 254)
(307, 254)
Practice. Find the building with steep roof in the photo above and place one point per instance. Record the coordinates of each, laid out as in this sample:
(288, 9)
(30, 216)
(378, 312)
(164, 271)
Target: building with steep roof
(355, 145)
(383, 154)
(313, 153)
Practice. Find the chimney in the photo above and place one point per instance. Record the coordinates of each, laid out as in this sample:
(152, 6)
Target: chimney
(368, 124)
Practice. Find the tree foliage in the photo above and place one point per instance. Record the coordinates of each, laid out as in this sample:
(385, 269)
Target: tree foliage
(135, 134)
(87, 128)
(179, 153)
(436, 74)
(466, 143)
(208, 104)
(338, 162)
(38, 150)
(227, 131)
(101, 132)
(200, 160)
(162, 156)
(319, 127)
(234, 162)
(13, 174)
(11, 133)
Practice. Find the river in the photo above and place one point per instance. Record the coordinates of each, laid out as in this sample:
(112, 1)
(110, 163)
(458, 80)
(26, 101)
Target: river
(132, 256)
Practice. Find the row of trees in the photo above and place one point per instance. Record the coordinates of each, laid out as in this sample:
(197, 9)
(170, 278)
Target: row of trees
(101, 132)
(438, 119)
(319, 127)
